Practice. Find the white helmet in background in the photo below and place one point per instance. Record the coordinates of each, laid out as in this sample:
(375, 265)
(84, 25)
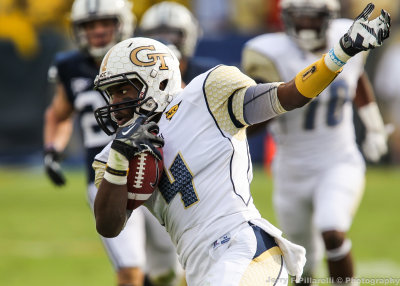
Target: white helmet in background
(145, 60)
(309, 39)
(84, 11)
(173, 23)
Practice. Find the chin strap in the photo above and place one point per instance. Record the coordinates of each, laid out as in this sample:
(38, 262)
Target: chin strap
(133, 119)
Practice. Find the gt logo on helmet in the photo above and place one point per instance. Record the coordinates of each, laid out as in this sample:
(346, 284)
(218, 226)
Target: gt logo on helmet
(153, 57)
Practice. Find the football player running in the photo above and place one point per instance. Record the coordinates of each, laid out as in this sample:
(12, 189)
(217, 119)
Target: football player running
(203, 198)
(318, 169)
(171, 22)
(97, 26)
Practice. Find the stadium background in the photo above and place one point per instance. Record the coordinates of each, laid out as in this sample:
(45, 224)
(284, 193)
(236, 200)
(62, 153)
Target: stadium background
(47, 235)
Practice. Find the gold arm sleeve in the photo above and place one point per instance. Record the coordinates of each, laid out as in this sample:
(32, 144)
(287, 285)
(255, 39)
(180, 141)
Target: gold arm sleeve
(259, 66)
(312, 80)
(99, 168)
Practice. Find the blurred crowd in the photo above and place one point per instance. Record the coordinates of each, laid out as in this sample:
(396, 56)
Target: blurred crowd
(31, 32)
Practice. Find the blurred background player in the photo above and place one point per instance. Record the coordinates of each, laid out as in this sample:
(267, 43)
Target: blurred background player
(173, 23)
(98, 25)
(387, 86)
(318, 168)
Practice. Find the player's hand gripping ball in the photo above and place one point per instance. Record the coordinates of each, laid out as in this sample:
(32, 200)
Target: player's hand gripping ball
(141, 146)
(144, 174)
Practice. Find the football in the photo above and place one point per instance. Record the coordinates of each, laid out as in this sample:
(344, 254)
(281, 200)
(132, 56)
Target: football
(143, 177)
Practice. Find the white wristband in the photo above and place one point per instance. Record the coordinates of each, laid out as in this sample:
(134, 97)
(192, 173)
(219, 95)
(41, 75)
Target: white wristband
(117, 161)
(336, 58)
(117, 168)
(114, 179)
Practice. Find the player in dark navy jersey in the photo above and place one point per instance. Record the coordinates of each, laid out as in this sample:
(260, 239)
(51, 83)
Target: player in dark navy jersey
(98, 25)
(73, 74)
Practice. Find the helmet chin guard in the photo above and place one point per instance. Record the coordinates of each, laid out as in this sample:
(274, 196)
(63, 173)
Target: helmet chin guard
(106, 121)
(308, 38)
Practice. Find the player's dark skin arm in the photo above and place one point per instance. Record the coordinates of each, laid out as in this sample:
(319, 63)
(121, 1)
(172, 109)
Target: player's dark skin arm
(110, 208)
(289, 97)
(364, 91)
(255, 129)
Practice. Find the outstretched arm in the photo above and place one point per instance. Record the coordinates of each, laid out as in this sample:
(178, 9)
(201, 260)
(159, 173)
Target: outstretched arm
(363, 35)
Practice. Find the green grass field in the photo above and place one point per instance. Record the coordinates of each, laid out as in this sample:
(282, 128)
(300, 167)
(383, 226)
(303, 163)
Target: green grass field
(47, 234)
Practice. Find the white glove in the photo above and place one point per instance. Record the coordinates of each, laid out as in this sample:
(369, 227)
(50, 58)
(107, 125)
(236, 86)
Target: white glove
(375, 142)
(363, 35)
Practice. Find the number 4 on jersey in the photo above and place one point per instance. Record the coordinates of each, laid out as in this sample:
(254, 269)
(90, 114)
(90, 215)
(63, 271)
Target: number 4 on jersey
(181, 182)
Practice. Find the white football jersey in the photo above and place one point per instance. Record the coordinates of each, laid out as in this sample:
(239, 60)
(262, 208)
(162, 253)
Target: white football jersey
(304, 135)
(205, 185)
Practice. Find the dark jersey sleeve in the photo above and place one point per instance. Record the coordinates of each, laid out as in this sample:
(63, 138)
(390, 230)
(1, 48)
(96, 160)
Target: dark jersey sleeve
(70, 65)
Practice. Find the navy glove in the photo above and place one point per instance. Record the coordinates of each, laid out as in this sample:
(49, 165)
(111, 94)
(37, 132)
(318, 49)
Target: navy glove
(52, 160)
(138, 137)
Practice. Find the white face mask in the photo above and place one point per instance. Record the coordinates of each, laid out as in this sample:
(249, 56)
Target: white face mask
(308, 40)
